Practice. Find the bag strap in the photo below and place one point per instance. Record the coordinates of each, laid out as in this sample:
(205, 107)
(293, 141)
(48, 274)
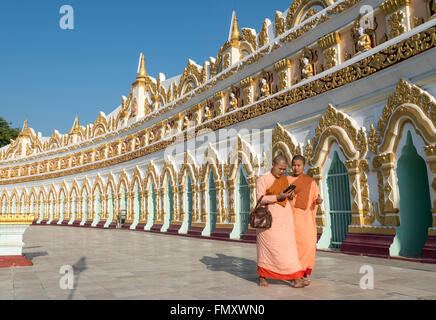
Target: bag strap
(258, 202)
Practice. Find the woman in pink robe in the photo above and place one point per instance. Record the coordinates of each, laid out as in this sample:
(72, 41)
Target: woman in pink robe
(277, 255)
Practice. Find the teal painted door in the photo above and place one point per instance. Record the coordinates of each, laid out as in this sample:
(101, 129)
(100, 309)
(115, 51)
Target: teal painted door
(244, 202)
(153, 203)
(212, 201)
(415, 203)
(339, 199)
(170, 206)
(189, 200)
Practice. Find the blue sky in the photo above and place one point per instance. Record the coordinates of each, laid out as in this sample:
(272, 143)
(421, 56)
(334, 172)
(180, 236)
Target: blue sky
(49, 75)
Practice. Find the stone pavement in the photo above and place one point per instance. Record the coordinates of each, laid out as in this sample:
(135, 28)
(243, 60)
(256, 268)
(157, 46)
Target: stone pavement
(124, 264)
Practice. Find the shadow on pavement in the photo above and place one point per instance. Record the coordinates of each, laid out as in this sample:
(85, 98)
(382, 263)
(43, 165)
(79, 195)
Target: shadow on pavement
(239, 267)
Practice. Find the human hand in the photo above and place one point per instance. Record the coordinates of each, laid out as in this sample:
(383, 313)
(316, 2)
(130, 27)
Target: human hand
(319, 200)
(282, 196)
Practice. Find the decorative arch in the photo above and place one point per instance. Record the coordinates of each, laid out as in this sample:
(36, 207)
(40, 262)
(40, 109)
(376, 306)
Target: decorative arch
(407, 104)
(52, 200)
(190, 79)
(85, 187)
(55, 141)
(283, 142)
(14, 195)
(123, 181)
(110, 188)
(240, 154)
(151, 176)
(63, 189)
(188, 167)
(4, 202)
(41, 203)
(136, 181)
(337, 127)
(23, 198)
(301, 10)
(110, 184)
(100, 125)
(168, 172)
(151, 179)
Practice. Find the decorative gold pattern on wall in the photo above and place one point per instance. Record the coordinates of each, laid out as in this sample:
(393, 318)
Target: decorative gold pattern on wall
(379, 61)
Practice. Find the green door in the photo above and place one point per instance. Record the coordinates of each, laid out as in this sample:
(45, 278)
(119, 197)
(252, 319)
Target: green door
(170, 206)
(415, 203)
(339, 200)
(244, 202)
(212, 201)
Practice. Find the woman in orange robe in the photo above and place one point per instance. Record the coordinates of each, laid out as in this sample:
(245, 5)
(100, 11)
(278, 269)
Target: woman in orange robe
(304, 205)
(277, 255)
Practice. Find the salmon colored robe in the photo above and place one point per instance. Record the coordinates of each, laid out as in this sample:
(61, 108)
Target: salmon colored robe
(277, 255)
(305, 221)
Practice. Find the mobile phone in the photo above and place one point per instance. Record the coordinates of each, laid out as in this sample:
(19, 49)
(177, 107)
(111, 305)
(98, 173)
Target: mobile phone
(290, 188)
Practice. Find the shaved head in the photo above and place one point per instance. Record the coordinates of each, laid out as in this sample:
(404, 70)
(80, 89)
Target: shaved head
(279, 159)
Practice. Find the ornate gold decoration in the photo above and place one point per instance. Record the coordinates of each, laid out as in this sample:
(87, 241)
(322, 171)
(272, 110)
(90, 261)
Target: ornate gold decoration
(17, 218)
(308, 60)
(404, 93)
(390, 6)
(395, 21)
(250, 37)
(329, 40)
(330, 58)
(282, 140)
(392, 55)
(279, 24)
(336, 118)
(363, 39)
(263, 35)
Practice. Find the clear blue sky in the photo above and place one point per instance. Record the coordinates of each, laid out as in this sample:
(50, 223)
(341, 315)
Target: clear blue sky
(49, 75)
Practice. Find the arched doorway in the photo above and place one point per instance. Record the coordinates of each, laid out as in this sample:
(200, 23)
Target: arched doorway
(244, 202)
(339, 201)
(169, 206)
(151, 206)
(62, 208)
(211, 201)
(73, 207)
(189, 203)
(415, 203)
(97, 207)
(4, 203)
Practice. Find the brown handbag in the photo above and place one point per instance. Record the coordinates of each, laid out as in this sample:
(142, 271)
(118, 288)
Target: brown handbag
(260, 217)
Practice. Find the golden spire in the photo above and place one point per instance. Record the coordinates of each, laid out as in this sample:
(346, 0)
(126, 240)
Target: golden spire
(25, 131)
(142, 72)
(235, 35)
(76, 127)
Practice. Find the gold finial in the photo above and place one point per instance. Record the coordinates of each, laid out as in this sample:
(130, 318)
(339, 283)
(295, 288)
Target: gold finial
(142, 72)
(235, 35)
(25, 132)
(76, 127)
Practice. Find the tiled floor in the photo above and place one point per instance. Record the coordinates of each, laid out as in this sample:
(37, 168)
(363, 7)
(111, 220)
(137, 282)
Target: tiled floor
(124, 264)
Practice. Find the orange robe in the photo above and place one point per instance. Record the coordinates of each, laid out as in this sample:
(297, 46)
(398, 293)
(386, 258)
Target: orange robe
(304, 211)
(277, 255)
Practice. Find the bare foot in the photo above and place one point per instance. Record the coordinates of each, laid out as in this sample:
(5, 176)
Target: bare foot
(297, 283)
(263, 282)
(307, 282)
